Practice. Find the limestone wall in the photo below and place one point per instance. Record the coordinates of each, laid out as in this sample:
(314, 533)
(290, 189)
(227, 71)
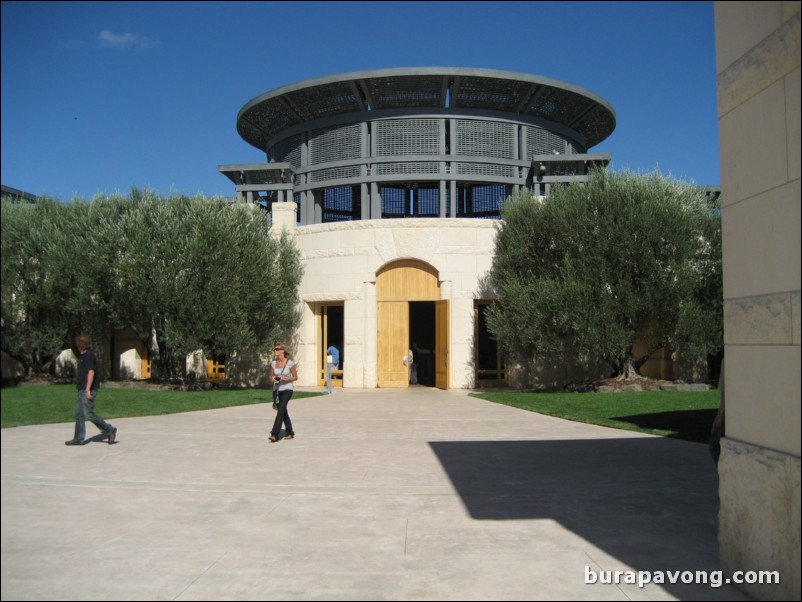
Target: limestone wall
(341, 261)
(758, 65)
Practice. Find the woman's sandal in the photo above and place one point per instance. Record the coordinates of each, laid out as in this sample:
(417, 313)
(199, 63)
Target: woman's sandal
(288, 437)
(273, 438)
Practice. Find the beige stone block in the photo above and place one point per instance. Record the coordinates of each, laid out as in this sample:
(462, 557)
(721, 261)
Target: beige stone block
(416, 243)
(793, 89)
(349, 285)
(765, 320)
(486, 239)
(762, 244)
(790, 8)
(461, 321)
(763, 396)
(759, 517)
(461, 366)
(385, 245)
(360, 238)
(753, 149)
(484, 263)
(458, 263)
(324, 241)
(740, 26)
(771, 60)
(458, 239)
(354, 377)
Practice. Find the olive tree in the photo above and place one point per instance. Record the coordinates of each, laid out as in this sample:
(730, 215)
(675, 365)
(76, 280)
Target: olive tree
(196, 273)
(183, 273)
(588, 270)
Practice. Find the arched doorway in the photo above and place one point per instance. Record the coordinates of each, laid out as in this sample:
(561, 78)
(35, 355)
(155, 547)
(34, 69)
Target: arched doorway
(398, 285)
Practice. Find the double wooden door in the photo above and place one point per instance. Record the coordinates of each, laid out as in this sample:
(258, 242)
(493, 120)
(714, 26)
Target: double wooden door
(393, 344)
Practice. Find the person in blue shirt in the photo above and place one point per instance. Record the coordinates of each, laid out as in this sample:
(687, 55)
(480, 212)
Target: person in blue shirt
(332, 363)
(335, 357)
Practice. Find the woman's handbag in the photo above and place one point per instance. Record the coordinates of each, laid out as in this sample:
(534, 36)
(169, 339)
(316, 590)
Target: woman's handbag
(276, 385)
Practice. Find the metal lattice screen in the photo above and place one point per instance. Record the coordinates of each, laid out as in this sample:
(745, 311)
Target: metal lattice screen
(485, 169)
(483, 201)
(477, 138)
(288, 151)
(395, 201)
(342, 204)
(543, 142)
(335, 144)
(411, 201)
(406, 137)
(427, 202)
(334, 173)
(407, 167)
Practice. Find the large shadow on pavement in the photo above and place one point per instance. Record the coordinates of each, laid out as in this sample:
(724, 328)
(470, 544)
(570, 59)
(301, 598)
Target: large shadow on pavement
(652, 503)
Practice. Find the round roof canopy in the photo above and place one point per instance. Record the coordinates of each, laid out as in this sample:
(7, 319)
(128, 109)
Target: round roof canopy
(529, 96)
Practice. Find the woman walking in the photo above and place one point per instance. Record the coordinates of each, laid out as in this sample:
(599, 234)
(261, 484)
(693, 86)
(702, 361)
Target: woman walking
(282, 374)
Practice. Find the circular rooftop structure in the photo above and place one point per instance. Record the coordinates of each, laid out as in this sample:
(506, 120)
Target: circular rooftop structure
(417, 142)
(439, 89)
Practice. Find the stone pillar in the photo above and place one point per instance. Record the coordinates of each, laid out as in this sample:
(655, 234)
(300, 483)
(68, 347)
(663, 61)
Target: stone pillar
(284, 217)
(371, 346)
(758, 65)
(306, 355)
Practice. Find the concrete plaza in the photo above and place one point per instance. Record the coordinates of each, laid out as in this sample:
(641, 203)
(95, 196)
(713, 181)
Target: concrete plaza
(385, 494)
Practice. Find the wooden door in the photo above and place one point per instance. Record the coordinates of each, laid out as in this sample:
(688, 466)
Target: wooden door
(441, 358)
(393, 344)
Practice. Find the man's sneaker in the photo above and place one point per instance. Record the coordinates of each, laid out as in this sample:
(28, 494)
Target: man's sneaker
(74, 442)
(112, 435)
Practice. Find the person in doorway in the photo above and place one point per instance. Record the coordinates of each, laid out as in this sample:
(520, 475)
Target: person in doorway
(283, 372)
(332, 363)
(335, 357)
(88, 384)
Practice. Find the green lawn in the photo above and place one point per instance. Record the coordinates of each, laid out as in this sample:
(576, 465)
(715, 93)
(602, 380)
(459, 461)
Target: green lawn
(685, 415)
(680, 414)
(46, 404)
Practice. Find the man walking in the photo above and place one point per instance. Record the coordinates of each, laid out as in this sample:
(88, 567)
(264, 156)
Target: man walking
(88, 383)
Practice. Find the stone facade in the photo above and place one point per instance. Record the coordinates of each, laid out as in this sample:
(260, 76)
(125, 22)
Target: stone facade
(341, 261)
(758, 64)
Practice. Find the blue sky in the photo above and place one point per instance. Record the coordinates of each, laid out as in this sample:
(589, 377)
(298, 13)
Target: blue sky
(104, 96)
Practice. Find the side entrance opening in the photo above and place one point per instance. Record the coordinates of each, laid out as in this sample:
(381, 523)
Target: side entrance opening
(330, 334)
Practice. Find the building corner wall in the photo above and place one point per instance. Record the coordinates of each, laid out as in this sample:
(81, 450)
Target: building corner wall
(758, 66)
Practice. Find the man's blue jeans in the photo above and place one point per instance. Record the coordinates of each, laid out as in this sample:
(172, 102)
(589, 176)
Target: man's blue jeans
(85, 410)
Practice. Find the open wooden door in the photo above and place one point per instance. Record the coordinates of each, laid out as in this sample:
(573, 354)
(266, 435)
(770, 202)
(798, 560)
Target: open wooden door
(393, 344)
(441, 358)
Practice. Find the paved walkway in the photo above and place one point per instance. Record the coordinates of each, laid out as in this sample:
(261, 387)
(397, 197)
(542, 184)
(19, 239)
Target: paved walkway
(415, 494)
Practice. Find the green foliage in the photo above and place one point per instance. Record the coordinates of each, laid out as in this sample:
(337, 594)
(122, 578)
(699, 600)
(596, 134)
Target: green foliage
(37, 312)
(584, 272)
(183, 273)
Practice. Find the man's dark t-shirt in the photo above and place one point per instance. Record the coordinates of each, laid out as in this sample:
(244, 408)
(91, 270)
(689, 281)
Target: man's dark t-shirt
(88, 361)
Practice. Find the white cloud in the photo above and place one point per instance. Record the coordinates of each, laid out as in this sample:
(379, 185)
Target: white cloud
(109, 39)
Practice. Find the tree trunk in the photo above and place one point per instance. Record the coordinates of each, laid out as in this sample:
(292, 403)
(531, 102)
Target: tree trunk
(630, 369)
(167, 366)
